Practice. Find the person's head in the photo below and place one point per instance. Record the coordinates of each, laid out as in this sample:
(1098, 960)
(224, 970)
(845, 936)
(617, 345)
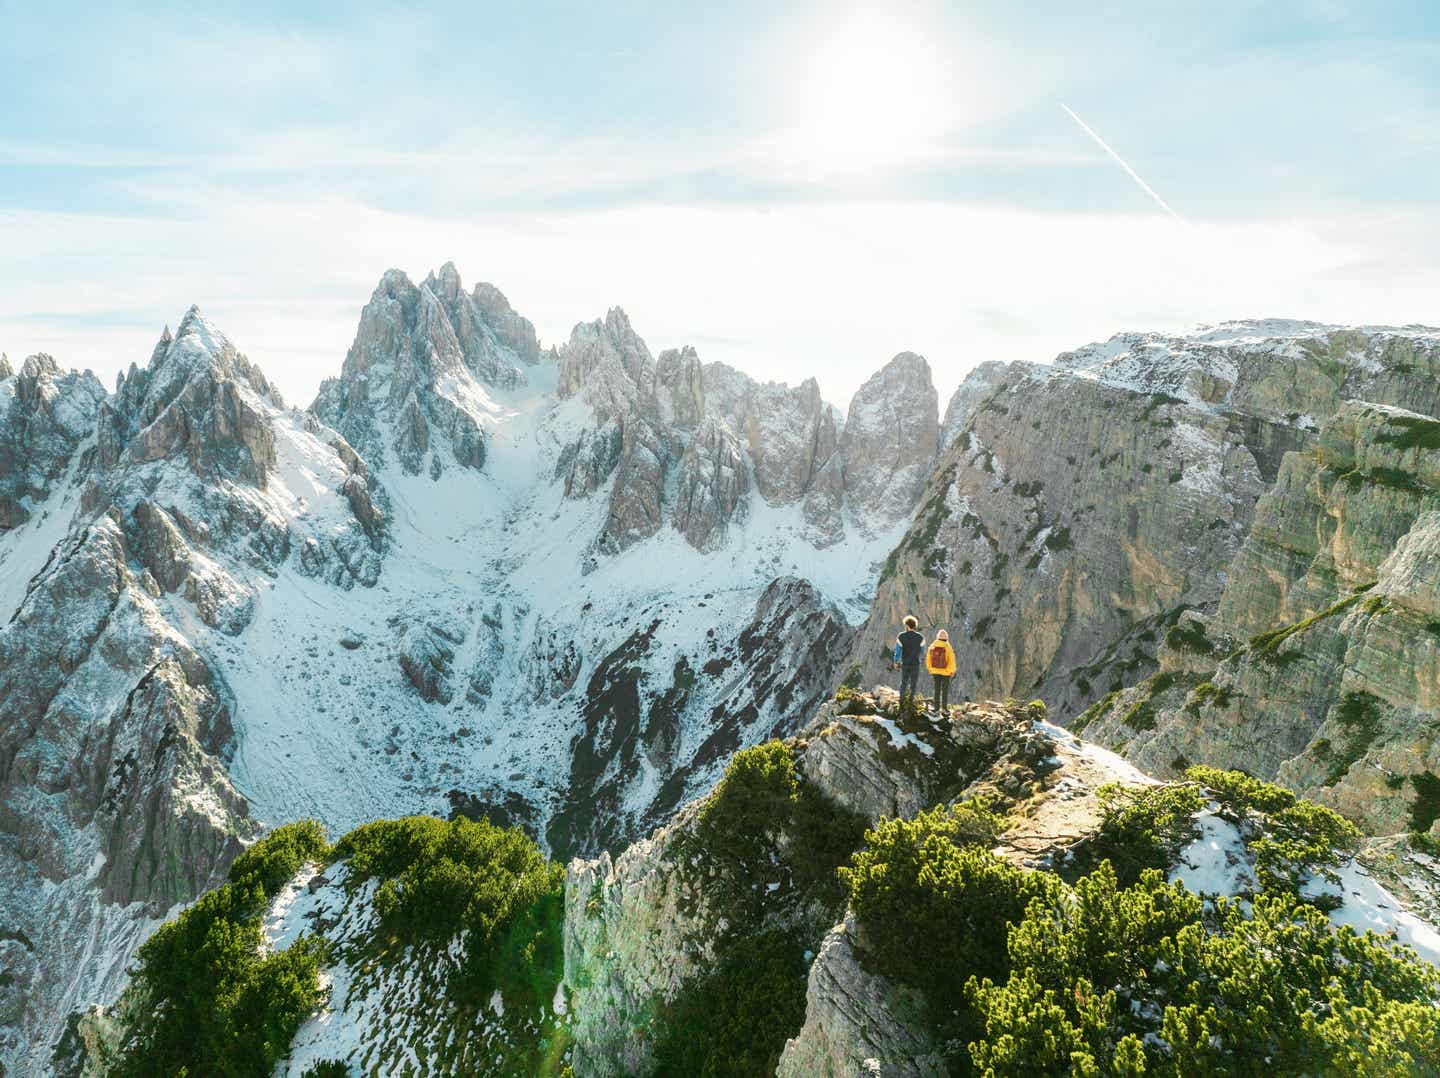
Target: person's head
(911, 621)
(942, 635)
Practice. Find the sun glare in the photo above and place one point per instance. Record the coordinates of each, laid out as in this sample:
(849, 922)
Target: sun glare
(869, 87)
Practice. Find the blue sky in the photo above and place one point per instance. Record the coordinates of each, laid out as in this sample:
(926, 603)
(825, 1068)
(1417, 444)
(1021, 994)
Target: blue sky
(796, 189)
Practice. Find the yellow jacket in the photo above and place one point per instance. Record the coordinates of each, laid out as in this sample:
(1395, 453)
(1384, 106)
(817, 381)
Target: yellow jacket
(947, 666)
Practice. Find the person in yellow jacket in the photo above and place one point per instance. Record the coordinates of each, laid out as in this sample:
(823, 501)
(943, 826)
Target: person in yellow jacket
(940, 661)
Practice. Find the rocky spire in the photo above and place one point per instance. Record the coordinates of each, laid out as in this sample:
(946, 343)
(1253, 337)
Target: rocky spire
(890, 440)
(411, 385)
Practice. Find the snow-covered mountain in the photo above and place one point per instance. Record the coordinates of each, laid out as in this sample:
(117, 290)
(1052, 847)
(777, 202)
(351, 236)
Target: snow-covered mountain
(558, 588)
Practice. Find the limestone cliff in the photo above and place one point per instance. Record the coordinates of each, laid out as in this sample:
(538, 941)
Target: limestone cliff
(1080, 508)
(1321, 667)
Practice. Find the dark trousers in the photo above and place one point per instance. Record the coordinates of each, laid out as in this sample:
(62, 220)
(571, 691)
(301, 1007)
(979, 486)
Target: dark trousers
(909, 678)
(942, 691)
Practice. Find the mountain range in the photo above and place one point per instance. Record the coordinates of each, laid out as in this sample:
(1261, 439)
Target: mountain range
(561, 587)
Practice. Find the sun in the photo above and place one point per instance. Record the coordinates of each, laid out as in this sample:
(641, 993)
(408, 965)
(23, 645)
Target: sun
(868, 87)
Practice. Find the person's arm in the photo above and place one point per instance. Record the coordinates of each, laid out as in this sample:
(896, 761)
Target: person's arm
(895, 658)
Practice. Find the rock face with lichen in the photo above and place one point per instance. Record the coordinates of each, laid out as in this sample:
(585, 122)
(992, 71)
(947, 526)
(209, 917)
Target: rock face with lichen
(1077, 510)
(1321, 666)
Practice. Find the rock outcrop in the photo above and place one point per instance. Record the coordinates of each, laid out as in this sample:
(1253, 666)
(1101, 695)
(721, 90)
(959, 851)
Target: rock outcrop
(889, 441)
(113, 787)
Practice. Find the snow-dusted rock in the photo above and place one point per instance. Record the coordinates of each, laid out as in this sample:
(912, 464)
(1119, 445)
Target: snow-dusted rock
(419, 374)
(890, 439)
(712, 485)
(44, 416)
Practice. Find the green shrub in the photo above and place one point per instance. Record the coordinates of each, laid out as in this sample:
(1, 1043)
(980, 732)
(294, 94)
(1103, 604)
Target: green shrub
(1148, 980)
(934, 907)
(1143, 827)
(736, 1019)
(851, 701)
(274, 860)
(1189, 636)
(205, 997)
(1359, 714)
(327, 1068)
(439, 878)
(763, 825)
(1426, 808)
(1299, 838)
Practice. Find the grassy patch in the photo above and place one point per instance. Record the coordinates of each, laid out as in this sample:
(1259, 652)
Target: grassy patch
(1359, 714)
(1266, 646)
(1425, 810)
(1411, 432)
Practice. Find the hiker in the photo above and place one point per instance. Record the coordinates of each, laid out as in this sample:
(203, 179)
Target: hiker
(940, 661)
(909, 646)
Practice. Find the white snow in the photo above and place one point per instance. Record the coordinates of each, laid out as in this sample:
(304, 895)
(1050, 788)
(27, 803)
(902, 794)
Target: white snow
(900, 739)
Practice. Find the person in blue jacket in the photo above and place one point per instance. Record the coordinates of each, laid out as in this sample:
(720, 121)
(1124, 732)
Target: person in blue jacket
(909, 650)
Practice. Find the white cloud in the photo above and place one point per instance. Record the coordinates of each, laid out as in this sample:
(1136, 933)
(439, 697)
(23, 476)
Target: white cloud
(784, 292)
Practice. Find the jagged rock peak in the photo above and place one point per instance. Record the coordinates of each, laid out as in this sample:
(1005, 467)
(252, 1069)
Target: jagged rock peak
(44, 416)
(197, 345)
(421, 361)
(608, 361)
(199, 398)
(890, 439)
(6, 371)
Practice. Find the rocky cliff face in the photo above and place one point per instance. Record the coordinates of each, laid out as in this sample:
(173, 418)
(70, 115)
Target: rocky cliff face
(1321, 667)
(1079, 509)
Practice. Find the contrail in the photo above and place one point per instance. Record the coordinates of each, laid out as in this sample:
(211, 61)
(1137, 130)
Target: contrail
(1120, 161)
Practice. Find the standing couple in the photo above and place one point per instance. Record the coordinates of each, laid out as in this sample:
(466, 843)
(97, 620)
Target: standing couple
(939, 661)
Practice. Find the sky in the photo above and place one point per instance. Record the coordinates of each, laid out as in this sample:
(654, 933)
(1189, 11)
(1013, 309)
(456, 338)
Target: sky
(794, 188)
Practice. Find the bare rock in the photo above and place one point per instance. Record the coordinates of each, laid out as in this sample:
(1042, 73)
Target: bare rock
(712, 486)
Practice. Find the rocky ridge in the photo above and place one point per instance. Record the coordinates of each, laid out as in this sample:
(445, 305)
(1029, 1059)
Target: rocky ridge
(651, 934)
